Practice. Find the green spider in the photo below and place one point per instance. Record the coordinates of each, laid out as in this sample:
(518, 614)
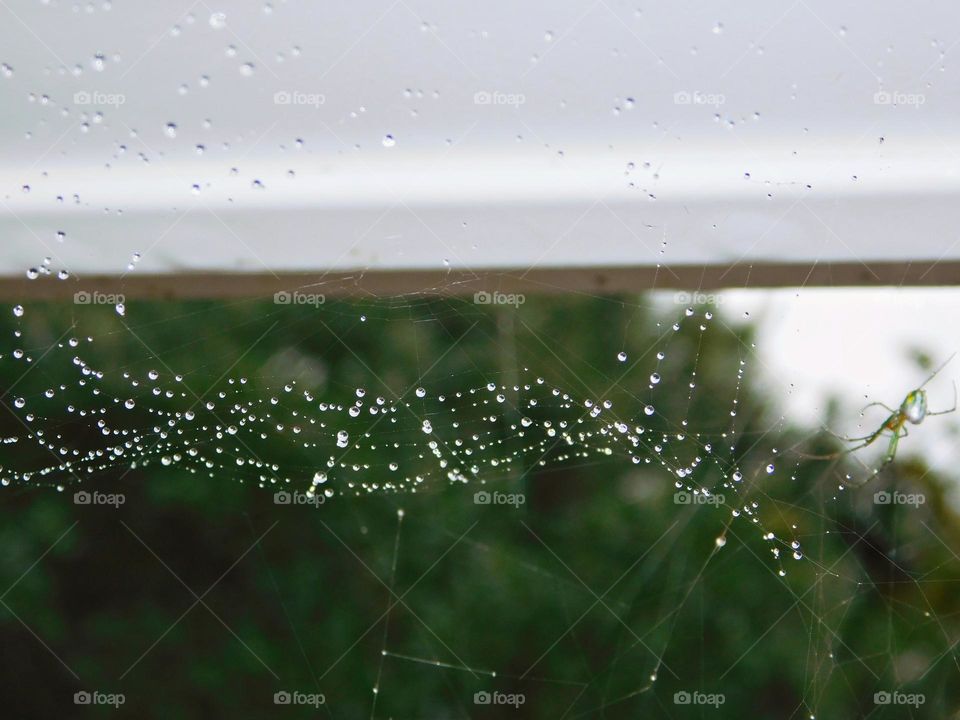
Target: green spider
(912, 410)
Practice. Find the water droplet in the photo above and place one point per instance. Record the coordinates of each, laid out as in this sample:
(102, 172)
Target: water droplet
(389, 141)
(18, 310)
(622, 356)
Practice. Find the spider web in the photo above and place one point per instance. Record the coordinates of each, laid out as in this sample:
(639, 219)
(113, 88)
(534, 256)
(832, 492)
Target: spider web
(417, 506)
(666, 423)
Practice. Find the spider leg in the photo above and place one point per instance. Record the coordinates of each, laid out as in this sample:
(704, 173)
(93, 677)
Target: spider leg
(866, 438)
(878, 404)
(935, 372)
(890, 454)
(866, 441)
(892, 449)
(844, 437)
(953, 409)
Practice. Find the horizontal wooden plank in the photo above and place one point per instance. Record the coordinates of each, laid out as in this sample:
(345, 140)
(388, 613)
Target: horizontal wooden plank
(693, 282)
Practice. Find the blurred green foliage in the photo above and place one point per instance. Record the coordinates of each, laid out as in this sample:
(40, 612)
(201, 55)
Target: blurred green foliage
(201, 598)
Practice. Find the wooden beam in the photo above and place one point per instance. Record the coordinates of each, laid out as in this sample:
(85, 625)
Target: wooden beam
(591, 280)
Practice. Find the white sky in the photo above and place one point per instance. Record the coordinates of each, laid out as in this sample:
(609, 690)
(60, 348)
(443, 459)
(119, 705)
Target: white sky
(856, 344)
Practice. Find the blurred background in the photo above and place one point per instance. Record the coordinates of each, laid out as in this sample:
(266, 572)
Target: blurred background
(478, 361)
(601, 595)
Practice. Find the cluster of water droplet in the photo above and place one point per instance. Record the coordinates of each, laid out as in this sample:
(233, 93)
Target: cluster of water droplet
(118, 421)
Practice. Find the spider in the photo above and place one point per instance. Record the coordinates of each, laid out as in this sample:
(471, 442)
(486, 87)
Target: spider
(912, 410)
